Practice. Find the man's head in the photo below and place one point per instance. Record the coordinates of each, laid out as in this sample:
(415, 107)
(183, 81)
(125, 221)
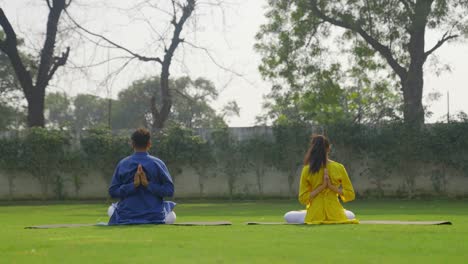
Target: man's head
(141, 139)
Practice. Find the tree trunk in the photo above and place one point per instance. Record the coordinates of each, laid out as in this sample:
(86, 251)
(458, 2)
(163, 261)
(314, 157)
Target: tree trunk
(158, 124)
(291, 177)
(11, 185)
(413, 82)
(36, 108)
(160, 116)
(231, 186)
(412, 95)
(201, 180)
(260, 171)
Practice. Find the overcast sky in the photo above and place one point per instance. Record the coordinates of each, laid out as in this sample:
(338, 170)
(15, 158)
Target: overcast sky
(227, 33)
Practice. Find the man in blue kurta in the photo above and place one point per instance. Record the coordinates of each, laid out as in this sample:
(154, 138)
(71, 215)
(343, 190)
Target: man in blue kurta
(141, 182)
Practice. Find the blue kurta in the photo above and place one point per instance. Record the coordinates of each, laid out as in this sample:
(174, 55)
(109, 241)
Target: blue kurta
(140, 205)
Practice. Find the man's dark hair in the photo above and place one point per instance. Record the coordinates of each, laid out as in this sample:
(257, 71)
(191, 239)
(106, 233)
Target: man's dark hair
(141, 138)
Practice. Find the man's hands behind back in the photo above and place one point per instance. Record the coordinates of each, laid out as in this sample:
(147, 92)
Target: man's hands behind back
(141, 176)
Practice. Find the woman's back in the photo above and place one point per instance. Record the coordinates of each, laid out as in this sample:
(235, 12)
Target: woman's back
(325, 206)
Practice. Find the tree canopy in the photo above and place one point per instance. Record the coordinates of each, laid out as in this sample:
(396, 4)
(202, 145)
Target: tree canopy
(132, 108)
(331, 48)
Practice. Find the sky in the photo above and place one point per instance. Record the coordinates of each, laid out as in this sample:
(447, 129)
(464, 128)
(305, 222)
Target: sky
(227, 32)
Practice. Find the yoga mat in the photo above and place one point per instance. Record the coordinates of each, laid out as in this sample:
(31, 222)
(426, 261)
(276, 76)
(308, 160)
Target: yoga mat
(59, 226)
(368, 222)
(220, 223)
(217, 223)
(391, 222)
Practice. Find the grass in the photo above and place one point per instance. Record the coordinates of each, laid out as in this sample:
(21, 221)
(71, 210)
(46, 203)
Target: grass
(238, 243)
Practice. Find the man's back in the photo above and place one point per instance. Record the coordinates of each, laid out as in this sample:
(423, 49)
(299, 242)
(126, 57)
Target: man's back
(140, 204)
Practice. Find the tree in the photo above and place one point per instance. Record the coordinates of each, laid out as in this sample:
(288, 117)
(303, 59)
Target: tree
(8, 82)
(58, 109)
(160, 115)
(10, 154)
(8, 85)
(258, 151)
(191, 103)
(201, 160)
(228, 157)
(90, 111)
(101, 147)
(180, 12)
(393, 29)
(289, 148)
(44, 70)
(175, 146)
(330, 99)
(43, 154)
(231, 109)
(11, 111)
(7, 116)
(190, 108)
(132, 108)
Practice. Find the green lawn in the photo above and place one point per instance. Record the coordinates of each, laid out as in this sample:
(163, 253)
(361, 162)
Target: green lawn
(238, 243)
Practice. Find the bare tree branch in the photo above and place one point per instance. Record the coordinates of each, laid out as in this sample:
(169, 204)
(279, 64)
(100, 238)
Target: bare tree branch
(181, 10)
(174, 12)
(49, 4)
(59, 61)
(100, 63)
(211, 57)
(9, 46)
(67, 4)
(47, 52)
(113, 75)
(355, 27)
(446, 37)
(187, 97)
(136, 55)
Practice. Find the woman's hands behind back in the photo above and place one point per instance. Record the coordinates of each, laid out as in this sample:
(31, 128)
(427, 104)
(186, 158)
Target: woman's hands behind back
(329, 183)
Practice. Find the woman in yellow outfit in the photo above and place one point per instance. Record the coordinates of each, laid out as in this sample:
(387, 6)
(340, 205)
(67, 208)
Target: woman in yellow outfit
(322, 182)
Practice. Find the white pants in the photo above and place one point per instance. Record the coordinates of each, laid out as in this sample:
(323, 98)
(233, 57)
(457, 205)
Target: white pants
(297, 217)
(170, 217)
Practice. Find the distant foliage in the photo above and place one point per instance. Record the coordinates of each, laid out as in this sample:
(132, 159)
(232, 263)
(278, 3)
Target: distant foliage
(178, 147)
(291, 143)
(191, 107)
(42, 155)
(395, 148)
(55, 158)
(228, 157)
(103, 150)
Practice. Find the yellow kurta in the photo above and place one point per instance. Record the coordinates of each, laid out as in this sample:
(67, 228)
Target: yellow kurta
(325, 208)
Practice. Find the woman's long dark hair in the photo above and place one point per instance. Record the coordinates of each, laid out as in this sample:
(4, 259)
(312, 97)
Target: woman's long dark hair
(317, 155)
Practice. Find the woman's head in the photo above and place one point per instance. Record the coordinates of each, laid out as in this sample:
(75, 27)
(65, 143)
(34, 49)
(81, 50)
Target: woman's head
(317, 155)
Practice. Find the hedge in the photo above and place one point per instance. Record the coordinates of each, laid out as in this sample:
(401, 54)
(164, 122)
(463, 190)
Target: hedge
(48, 154)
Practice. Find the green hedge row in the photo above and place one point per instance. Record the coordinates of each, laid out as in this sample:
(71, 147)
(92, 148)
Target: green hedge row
(48, 154)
